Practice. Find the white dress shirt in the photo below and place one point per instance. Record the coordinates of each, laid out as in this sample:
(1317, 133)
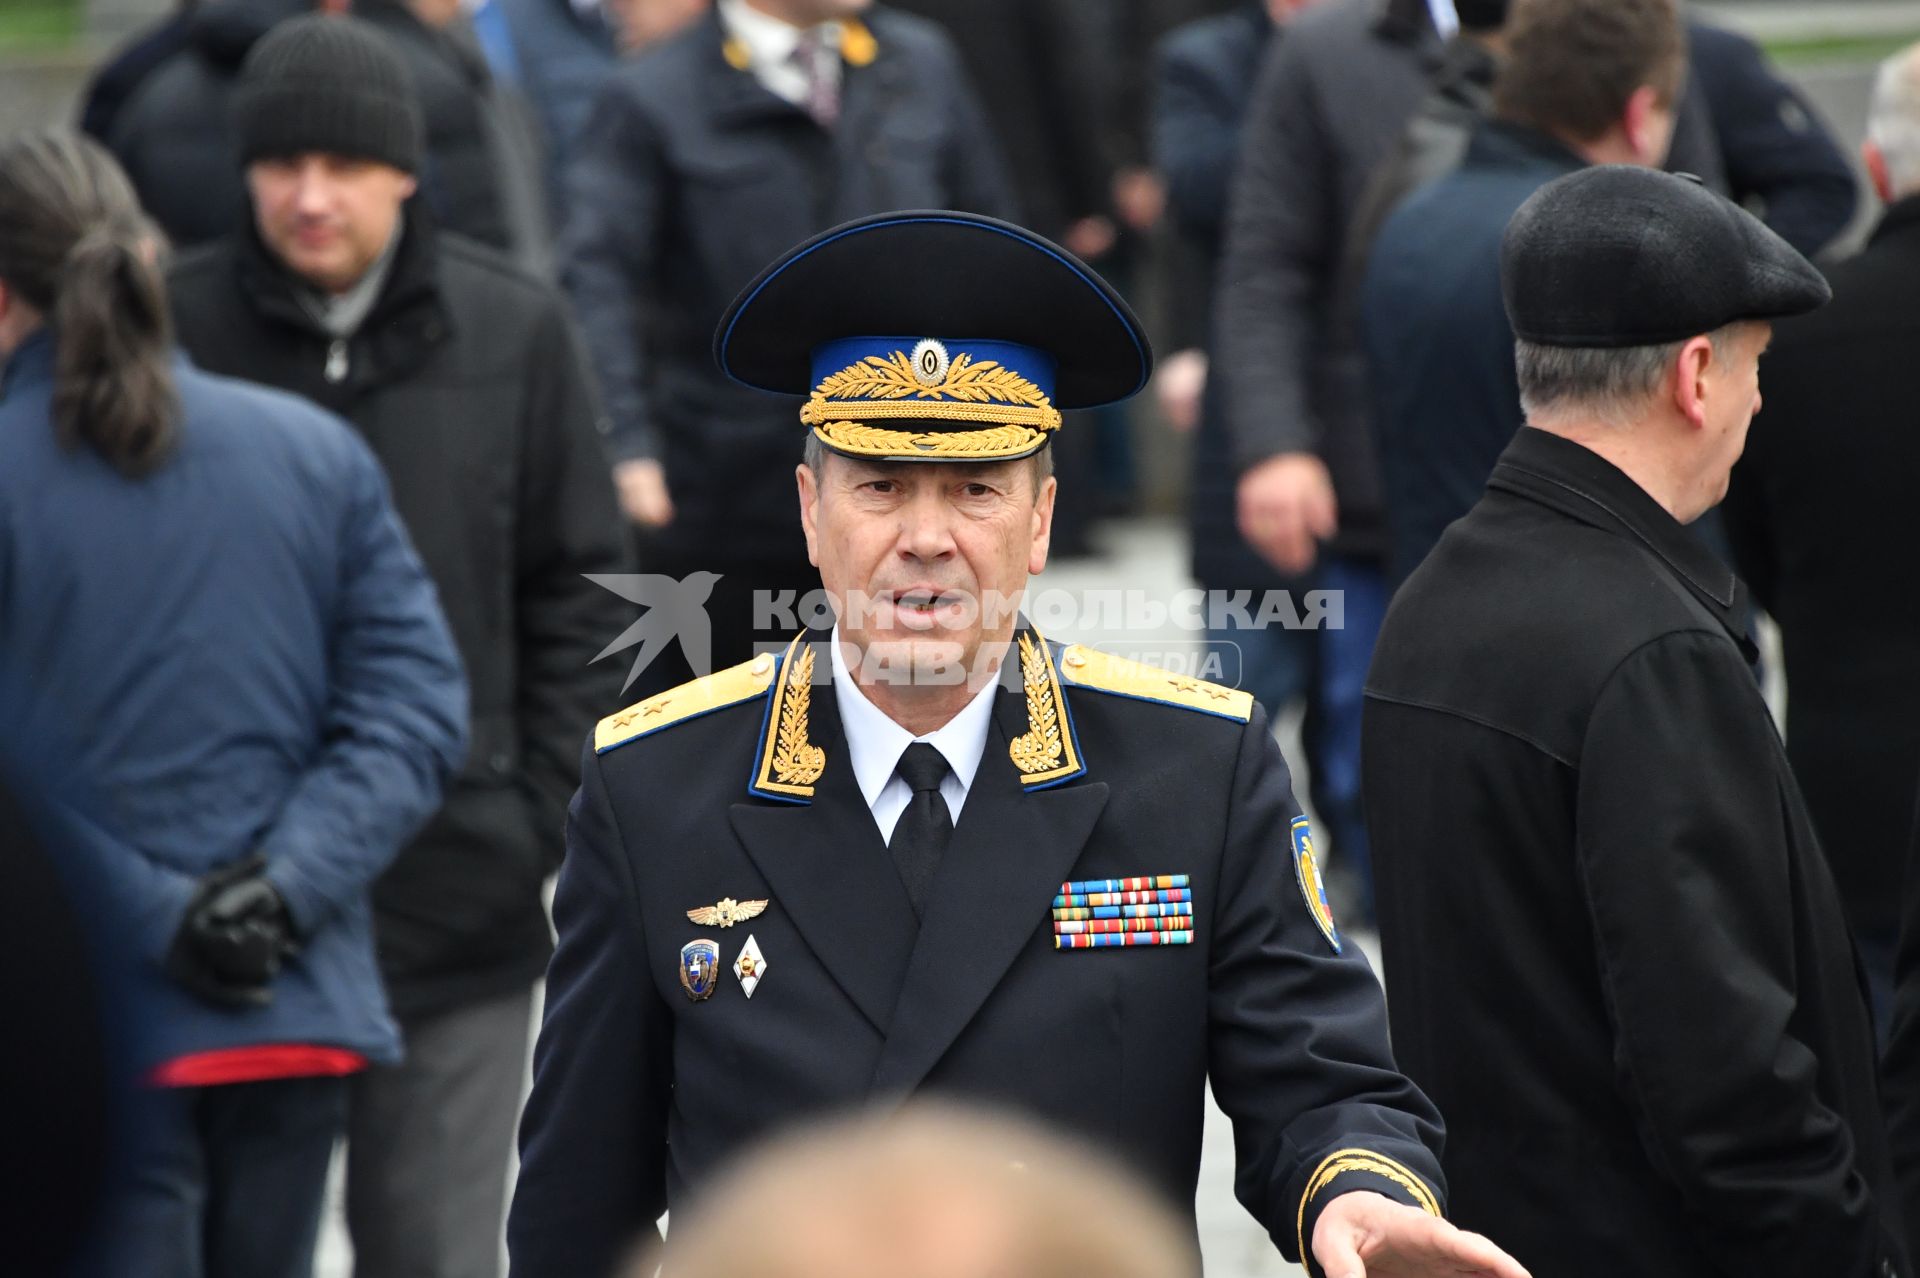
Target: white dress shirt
(1446, 19)
(771, 47)
(875, 744)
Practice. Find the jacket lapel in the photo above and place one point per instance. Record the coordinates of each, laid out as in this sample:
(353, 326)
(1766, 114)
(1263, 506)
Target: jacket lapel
(829, 870)
(1011, 849)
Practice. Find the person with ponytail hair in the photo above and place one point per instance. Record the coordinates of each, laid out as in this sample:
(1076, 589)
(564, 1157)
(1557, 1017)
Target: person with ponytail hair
(244, 691)
(76, 253)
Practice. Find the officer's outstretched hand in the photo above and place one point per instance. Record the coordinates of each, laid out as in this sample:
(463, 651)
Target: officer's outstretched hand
(1366, 1235)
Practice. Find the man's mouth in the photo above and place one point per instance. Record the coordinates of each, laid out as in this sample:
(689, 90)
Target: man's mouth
(925, 607)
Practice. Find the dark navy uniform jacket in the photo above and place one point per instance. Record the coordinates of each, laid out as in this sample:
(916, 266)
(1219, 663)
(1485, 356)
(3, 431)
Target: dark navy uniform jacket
(1615, 953)
(640, 1092)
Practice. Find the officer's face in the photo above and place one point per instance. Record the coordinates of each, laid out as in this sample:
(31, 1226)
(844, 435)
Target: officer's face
(327, 217)
(926, 561)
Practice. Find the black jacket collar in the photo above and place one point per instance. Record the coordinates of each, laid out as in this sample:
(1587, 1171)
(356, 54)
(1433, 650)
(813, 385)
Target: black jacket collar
(1901, 218)
(1504, 144)
(1579, 483)
(1404, 21)
(409, 320)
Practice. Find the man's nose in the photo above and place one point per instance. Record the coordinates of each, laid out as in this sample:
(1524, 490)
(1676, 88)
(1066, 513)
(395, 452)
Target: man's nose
(926, 530)
(311, 194)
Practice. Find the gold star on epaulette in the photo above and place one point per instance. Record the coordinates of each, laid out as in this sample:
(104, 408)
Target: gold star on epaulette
(1087, 668)
(727, 912)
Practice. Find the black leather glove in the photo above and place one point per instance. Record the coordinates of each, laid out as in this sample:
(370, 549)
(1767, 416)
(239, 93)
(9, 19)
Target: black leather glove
(234, 936)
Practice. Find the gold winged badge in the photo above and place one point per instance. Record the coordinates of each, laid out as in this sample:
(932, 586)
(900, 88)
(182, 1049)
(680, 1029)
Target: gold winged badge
(727, 912)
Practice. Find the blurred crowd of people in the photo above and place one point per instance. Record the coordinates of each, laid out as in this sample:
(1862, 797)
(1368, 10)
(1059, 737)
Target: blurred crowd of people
(495, 239)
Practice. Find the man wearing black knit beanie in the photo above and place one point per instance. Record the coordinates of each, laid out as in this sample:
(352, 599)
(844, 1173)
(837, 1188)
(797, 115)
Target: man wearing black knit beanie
(465, 377)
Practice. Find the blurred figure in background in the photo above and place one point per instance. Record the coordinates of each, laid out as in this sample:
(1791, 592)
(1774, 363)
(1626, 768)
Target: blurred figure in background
(1821, 517)
(1900, 1066)
(930, 1192)
(1738, 126)
(1036, 66)
(61, 1146)
(484, 178)
(1459, 97)
(1205, 77)
(1585, 82)
(565, 50)
(1028, 60)
(174, 129)
(1747, 133)
(466, 378)
(766, 121)
(240, 656)
(177, 136)
(1329, 103)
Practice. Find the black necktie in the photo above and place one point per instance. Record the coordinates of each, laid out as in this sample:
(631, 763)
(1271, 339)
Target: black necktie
(922, 832)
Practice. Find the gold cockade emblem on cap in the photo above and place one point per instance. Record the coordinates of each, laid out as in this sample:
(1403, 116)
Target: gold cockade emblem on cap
(1015, 415)
(727, 912)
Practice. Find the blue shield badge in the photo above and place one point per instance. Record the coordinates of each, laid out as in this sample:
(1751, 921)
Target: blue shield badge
(1312, 886)
(699, 968)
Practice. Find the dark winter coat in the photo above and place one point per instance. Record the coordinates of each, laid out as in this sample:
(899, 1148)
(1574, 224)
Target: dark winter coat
(1331, 100)
(691, 177)
(175, 132)
(1204, 81)
(1821, 515)
(468, 382)
(1615, 956)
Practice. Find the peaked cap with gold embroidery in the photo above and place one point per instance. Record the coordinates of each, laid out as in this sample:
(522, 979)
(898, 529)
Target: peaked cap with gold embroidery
(934, 336)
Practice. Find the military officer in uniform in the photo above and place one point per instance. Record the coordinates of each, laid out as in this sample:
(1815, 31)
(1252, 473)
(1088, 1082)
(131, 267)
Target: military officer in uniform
(1615, 952)
(928, 850)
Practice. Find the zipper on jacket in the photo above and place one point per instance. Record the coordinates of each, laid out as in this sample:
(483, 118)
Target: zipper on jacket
(337, 361)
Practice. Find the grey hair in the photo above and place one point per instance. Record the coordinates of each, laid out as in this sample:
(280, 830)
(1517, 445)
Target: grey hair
(814, 455)
(1609, 384)
(1893, 119)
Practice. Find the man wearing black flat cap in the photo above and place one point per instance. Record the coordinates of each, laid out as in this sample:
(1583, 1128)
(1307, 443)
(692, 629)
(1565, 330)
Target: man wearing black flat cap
(927, 850)
(1615, 953)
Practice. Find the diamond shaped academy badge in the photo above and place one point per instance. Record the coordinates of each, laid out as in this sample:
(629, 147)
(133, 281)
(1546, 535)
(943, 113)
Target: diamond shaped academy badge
(699, 968)
(750, 966)
(1313, 886)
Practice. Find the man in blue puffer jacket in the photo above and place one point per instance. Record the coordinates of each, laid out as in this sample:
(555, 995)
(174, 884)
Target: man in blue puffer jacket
(244, 674)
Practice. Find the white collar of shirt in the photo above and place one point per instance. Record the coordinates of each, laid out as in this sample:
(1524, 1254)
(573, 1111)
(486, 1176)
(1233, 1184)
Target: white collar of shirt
(875, 743)
(1446, 20)
(771, 45)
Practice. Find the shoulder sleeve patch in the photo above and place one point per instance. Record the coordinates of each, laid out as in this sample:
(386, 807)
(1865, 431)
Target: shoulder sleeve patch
(716, 691)
(1086, 667)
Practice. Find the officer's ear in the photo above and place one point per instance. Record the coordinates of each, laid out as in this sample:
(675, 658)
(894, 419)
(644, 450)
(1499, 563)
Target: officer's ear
(808, 485)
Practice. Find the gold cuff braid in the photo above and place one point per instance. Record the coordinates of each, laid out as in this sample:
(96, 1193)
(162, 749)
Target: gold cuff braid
(1346, 1160)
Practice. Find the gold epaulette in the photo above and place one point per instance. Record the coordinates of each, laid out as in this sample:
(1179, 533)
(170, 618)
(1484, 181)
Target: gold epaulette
(1089, 668)
(712, 692)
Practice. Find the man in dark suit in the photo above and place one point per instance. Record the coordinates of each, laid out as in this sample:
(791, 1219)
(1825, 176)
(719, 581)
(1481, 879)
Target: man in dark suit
(761, 124)
(1614, 950)
(928, 851)
(1813, 513)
